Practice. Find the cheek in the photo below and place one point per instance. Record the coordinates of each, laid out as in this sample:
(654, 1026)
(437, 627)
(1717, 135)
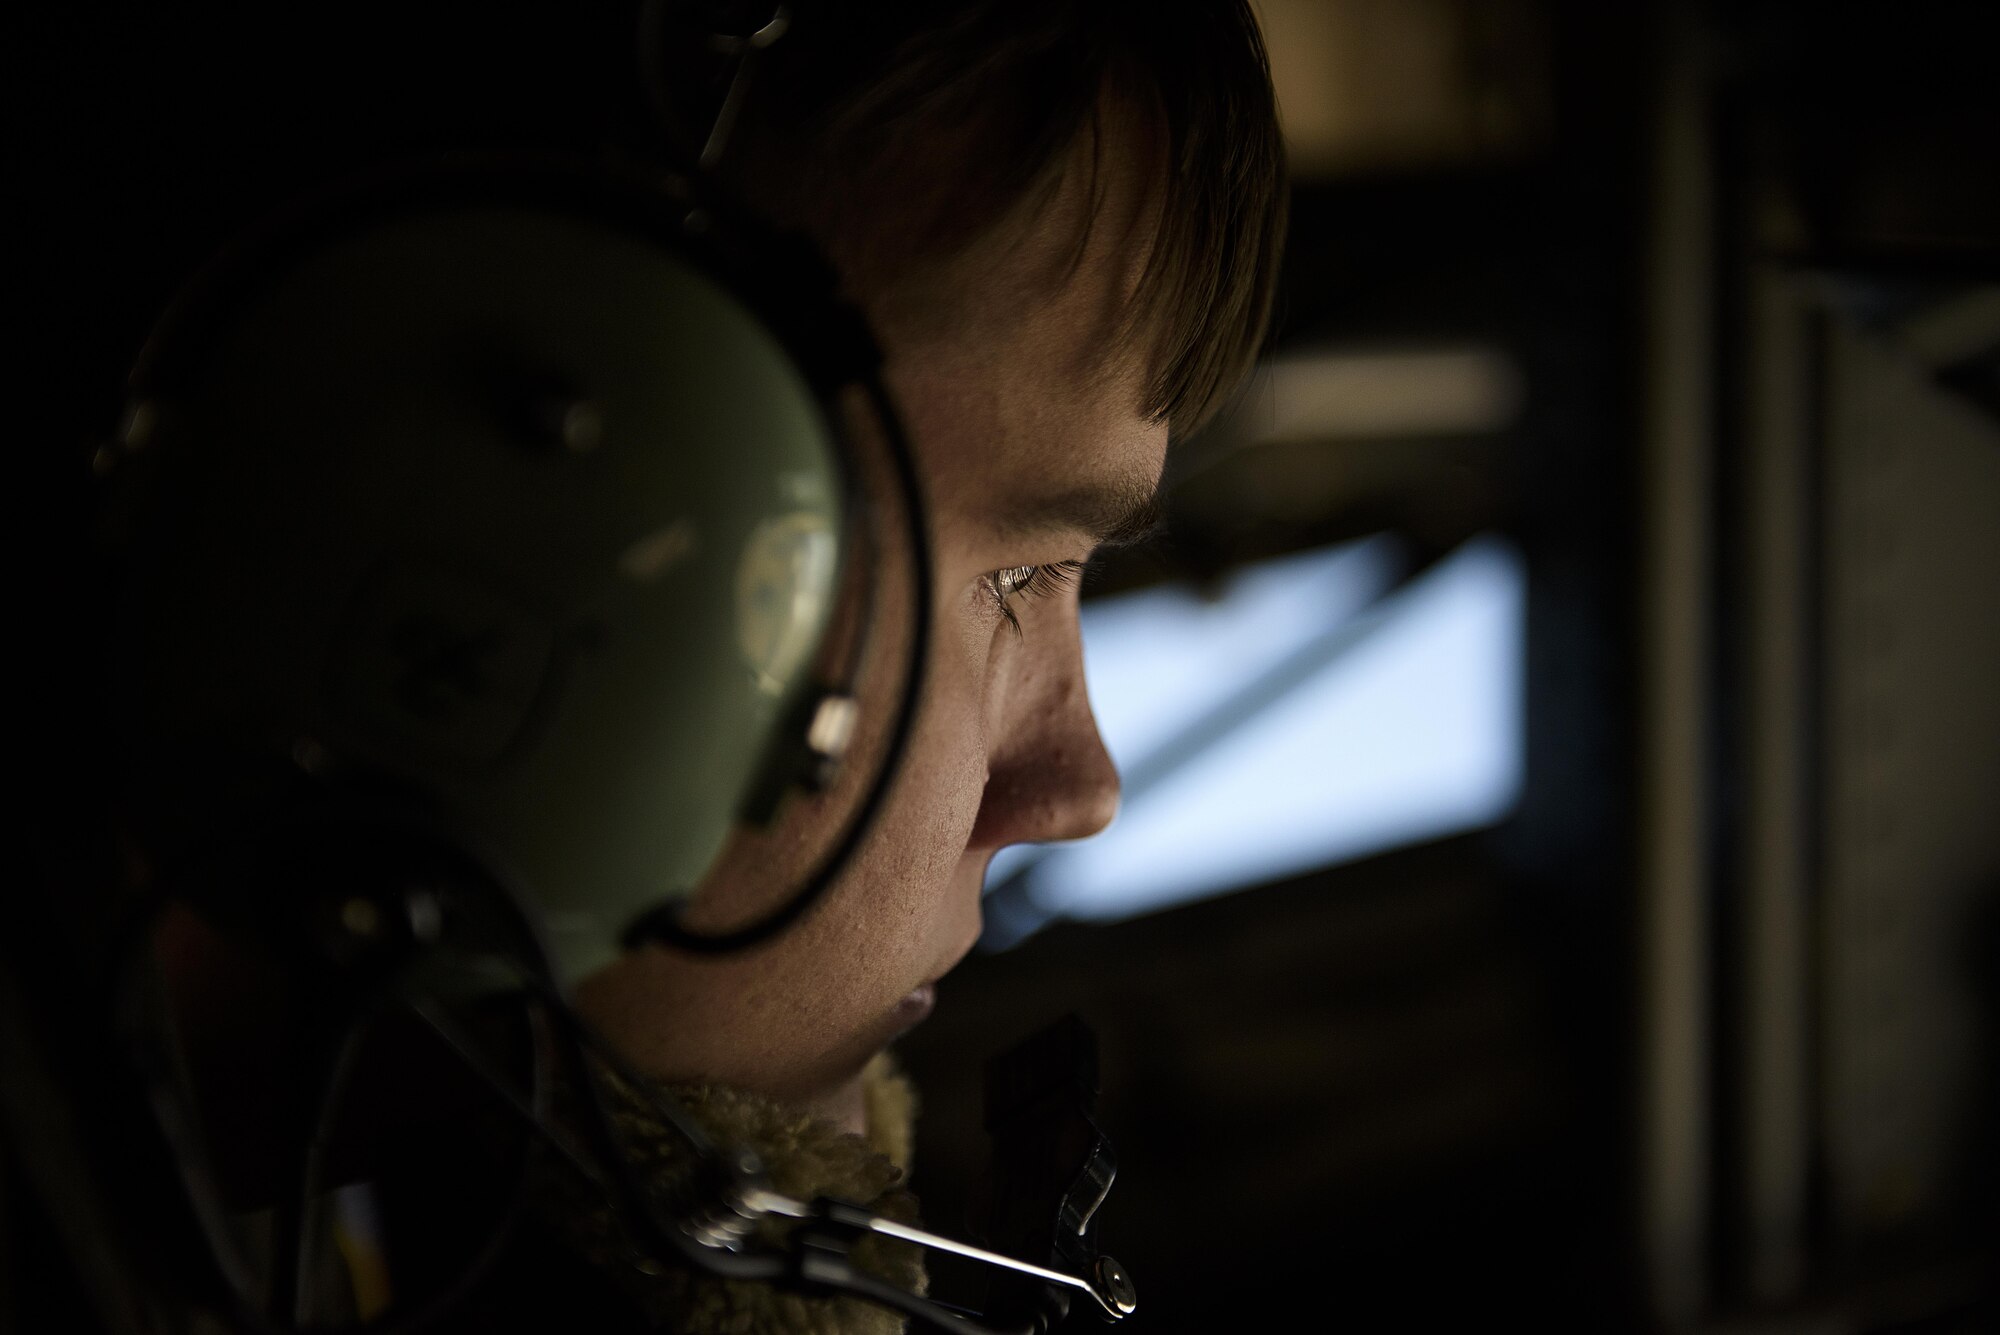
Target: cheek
(943, 771)
(984, 670)
(801, 1014)
(925, 828)
(920, 836)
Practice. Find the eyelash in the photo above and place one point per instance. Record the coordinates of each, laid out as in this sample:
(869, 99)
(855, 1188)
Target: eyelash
(1029, 582)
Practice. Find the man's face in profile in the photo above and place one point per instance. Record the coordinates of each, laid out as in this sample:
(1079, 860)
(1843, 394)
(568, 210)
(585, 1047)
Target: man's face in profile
(1022, 389)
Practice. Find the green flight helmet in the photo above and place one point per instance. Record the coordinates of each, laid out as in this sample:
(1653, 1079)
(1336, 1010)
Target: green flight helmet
(525, 501)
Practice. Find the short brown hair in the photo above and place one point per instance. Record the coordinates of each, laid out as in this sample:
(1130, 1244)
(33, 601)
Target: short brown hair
(956, 109)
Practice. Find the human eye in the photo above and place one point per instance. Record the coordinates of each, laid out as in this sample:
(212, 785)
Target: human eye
(1023, 582)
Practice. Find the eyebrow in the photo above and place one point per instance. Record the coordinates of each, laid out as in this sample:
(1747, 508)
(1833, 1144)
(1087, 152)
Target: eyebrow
(1110, 513)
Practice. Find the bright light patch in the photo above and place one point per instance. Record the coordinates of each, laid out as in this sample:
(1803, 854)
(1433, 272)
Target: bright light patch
(1401, 726)
(1157, 658)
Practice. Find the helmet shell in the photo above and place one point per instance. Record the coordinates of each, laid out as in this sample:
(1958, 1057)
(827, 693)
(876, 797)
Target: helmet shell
(506, 508)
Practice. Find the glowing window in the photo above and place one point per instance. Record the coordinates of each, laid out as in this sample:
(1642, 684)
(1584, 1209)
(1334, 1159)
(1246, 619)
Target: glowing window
(1300, 719)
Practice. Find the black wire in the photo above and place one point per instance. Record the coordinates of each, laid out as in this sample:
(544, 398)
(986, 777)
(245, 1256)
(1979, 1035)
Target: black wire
(129, 933)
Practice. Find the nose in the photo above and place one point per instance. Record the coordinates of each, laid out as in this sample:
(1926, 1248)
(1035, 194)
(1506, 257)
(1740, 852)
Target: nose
(1049, 776)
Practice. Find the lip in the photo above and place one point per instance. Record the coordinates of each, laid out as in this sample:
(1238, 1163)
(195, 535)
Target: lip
(917, 1004)
(916, 1007)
